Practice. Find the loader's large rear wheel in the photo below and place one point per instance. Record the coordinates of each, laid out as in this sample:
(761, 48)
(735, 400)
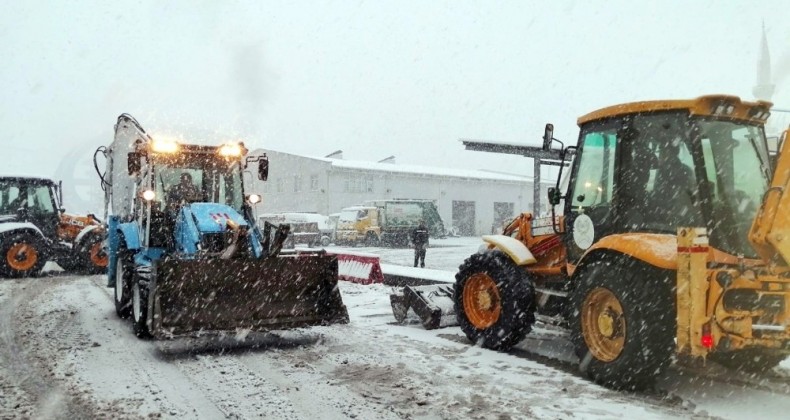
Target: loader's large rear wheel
(123, 285)
(21, 255)
(140, 309)
(749, 361)
(494, 300)
(621, 323)
(603, 324)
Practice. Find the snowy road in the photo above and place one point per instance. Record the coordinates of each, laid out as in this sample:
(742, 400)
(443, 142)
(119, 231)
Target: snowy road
(64, 354)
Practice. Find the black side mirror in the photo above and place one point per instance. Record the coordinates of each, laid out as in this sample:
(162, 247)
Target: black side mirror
(133, 163)
(548, 136)
(554, 196)
(263, 169)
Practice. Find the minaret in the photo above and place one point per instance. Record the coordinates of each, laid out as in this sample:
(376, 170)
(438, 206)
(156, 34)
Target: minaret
(764, 89)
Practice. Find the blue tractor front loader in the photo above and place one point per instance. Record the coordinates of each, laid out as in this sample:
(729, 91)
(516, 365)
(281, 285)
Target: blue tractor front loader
(185, 255)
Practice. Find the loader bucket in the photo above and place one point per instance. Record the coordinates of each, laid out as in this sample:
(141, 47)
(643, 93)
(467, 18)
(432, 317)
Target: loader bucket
(433, 304)
(189, 297)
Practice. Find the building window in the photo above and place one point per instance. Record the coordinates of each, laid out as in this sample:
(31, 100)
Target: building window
(369, 184)
(279, 185)
(297, 183)
(313, 182)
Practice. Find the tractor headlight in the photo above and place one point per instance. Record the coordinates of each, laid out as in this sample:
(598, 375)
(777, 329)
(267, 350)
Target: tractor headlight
(148, 195)
(163, 145)
(230, 150)
(254, 198)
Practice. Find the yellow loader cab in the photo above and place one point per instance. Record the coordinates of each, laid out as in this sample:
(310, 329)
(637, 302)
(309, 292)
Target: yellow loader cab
(673, 231)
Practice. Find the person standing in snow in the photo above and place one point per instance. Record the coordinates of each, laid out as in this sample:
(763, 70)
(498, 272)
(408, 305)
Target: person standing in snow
(419, 238)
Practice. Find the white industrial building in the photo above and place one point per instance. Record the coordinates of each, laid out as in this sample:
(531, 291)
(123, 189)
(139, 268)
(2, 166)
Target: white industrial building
(474, 202)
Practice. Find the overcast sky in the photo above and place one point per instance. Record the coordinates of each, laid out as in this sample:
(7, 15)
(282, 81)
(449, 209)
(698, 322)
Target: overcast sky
(373, 78)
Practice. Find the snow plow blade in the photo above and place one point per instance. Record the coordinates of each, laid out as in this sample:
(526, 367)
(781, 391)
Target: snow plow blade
(433, 304)
(190, 297)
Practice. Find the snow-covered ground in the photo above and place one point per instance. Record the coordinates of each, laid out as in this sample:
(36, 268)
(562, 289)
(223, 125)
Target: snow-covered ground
(64, 354)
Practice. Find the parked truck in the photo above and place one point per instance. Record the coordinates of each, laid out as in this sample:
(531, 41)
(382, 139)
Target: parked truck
(387, 222)
(185, 254)
(670, 243)
(35, 228)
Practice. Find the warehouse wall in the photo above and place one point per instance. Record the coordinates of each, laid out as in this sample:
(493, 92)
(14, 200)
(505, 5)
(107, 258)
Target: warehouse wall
(304, 184)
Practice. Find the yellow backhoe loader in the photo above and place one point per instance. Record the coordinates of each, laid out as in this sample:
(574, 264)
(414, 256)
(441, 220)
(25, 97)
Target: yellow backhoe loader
(673, 240)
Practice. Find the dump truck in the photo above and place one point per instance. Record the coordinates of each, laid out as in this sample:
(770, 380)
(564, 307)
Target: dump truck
(387, 222)
(35, 228)
(185, 255)
(669, 242)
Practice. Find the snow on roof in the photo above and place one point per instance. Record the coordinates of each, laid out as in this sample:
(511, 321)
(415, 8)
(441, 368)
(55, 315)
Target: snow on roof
(411, 169)
(424, 170)
(357, 208)
(26, 177)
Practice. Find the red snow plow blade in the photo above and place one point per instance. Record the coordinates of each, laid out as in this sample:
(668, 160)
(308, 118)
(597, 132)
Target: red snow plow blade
(216, 295)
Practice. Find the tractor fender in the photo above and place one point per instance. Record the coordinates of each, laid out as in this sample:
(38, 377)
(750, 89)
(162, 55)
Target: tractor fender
(129, 235)
(658, 250)
(119, 232)
(85, 231)
(513, 248)
(20, 227)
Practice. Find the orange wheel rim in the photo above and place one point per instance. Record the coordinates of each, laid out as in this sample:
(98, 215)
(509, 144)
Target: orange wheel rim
(482, 304)
(98, 256)
(603, 324)
(22, 257)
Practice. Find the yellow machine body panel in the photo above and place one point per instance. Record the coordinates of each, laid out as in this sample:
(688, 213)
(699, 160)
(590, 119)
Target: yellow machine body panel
(770, 232)
(757, 112)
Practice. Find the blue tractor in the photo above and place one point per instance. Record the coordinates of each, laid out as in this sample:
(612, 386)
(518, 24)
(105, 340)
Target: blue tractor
(185, 256)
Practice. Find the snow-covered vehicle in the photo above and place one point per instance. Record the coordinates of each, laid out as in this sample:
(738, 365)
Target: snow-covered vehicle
(185, 254)
(671, 243)
(34, 229)
(388, 222)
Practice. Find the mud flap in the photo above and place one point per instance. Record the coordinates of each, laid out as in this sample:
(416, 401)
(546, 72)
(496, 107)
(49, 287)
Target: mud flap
(433, 304)
(190, 297)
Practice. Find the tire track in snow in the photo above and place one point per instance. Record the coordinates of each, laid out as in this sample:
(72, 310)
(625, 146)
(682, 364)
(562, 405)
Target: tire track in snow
(157, 385)
(13, 396)
(238, 391)
(29, 342)
(302, 381)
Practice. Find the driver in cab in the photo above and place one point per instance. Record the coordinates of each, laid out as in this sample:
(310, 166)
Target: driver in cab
(182, 193)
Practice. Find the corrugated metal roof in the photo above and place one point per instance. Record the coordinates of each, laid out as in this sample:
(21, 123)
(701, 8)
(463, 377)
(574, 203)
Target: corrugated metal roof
(412, 169)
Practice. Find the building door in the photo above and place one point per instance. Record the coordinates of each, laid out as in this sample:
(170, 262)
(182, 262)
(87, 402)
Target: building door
(464, 217)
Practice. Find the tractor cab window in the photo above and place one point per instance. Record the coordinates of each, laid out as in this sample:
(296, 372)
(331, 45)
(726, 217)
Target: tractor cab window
(196, 179)
(39, 199)
(10, 200)
(737, 175)
(657, 186)
(595, 176)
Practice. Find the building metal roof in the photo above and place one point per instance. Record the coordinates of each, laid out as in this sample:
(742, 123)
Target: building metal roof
(416, 170)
